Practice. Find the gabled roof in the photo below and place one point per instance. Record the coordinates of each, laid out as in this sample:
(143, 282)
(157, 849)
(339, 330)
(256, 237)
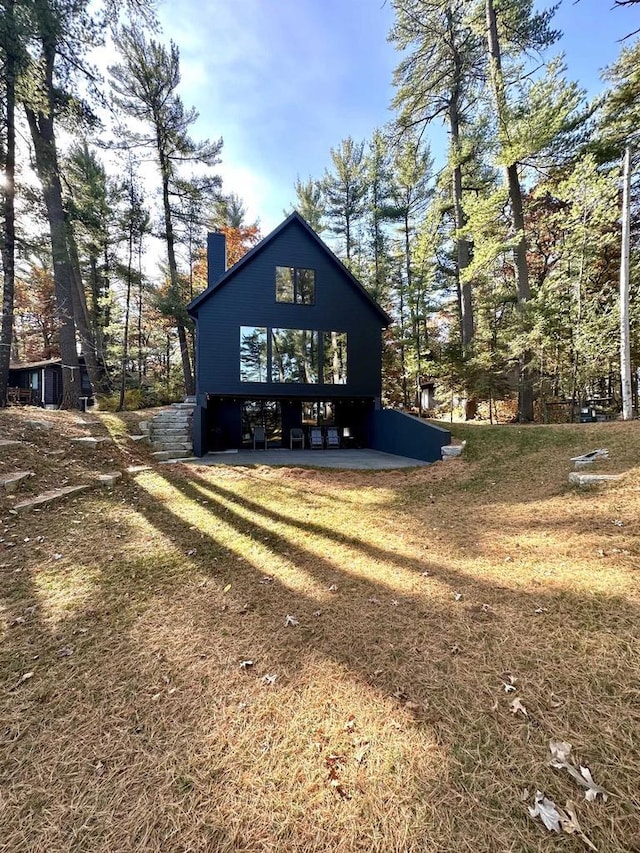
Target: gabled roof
(193, 306)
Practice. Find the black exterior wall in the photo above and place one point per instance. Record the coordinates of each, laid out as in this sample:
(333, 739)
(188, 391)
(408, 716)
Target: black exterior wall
(246, 296)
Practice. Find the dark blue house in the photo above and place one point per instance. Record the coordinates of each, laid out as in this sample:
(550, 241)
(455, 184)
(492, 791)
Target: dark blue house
(288, 338)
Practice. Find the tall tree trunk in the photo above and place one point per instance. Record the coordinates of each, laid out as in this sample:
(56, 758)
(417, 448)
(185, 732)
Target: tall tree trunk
(95, 369)
(523, 292)
(462, 244)
(125, 344)
(625, 345)
(8, 243)
(409, 280)
(43, 136)
(140, 313)
(173, 271)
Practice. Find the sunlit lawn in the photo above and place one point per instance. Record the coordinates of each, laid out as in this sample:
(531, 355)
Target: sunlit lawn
(172, 708)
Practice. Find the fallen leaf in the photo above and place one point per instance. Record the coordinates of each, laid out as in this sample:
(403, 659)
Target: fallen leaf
(290, 622)
(517, 706)
(350, 725)
(26, 677)
(335, 763)
(559, 750)
(593, 790)
(546, 810)
(560, 759)
(571, 826)
(360, 753)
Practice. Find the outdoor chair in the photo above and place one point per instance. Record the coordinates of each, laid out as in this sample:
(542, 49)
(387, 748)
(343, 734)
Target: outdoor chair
(296, 435)
(315, 438)
(333, 438)
(259, 437)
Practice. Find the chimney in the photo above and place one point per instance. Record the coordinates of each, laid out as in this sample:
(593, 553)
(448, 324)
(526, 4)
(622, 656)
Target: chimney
(216, 256)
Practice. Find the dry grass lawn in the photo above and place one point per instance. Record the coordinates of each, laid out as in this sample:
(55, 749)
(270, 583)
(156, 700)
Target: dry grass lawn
(378, 719)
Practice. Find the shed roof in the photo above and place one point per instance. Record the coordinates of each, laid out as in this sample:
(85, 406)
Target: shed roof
(34, 365)
(194, 305)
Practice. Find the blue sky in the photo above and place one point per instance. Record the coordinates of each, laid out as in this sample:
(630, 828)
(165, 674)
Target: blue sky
(283, 81)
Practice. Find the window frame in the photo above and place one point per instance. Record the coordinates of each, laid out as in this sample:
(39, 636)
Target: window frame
(295, 285)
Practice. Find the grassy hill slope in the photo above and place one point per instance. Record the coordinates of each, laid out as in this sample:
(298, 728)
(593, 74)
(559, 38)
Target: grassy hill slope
(255, 659)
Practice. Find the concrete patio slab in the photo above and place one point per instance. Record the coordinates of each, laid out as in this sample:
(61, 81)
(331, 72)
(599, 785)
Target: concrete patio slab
(364, 460)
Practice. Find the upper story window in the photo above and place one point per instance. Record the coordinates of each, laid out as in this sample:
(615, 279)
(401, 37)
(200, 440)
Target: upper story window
(295, 284)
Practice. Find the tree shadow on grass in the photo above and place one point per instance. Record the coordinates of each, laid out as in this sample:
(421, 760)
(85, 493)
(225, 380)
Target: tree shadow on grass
(381, 631)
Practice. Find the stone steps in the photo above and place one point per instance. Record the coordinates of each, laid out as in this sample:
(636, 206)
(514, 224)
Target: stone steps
(54, 495)
(166, 455)
(49, 497)
(91, 441)
(9, 482)
(171, 445)
(170, 432)
(591, 479)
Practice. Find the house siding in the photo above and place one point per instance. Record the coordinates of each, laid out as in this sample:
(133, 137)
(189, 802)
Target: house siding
(248, 299)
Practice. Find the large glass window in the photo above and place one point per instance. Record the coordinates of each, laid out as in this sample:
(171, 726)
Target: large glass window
(263, 413)
(294, 355)
(334, 368)
(253, 354)
(318, 413)
(294, 284)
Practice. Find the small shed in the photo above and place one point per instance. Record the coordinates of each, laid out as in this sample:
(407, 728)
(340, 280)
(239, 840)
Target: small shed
(39, 383)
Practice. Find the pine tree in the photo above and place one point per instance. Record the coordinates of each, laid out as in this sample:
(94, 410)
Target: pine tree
(344, 190)
(309, 202)
(146, 85)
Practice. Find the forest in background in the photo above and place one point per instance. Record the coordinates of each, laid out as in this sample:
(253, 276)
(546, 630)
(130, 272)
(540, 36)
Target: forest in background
(501, 267)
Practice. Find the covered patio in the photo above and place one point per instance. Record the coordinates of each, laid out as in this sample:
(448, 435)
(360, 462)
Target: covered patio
(350, 459)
